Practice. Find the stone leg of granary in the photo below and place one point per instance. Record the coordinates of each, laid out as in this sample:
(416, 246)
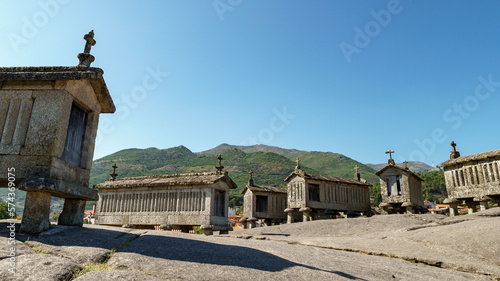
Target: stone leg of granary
(483, 205)
(243, 223)
(453, 203)
(385, 207)
(73, 212)
(453, 210)
(207, 229)
(36, 212)
(289, 216)
(472, 208)
(251, 222)
(306, 214)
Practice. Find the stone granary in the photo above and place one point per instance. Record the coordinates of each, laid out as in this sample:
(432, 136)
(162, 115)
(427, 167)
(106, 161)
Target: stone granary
(48, 124)
(401, 189)
(323, 196)
(264, 203)
(177, 201)
(473, 179)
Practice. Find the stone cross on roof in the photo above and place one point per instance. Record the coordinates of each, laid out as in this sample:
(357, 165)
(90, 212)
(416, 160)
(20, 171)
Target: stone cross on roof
(250, 180)
(391, 161)
(454, 154)
(86, 58)
(89, 37)
(220, 167)
(356, 168)
(406, 164)
(114, 174)
(298, 163)
(356, 175)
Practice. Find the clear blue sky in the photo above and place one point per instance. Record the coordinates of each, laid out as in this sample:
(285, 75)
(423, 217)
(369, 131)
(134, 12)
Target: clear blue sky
(352, 77)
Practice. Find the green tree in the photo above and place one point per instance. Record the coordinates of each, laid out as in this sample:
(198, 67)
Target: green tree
(434, 185)
(239, 211)
(4, 211)
(375, 193)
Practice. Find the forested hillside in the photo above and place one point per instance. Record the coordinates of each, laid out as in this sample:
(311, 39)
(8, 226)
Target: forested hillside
(271, 165)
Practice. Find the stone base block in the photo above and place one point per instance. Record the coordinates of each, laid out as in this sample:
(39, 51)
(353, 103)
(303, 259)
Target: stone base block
(73, 212)
(36, 212)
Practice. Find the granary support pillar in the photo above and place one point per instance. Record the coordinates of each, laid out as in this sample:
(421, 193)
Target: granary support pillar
(306, 214)
(36, 212)
(207, 229)
(385, 207)
(483, 205)
(251, 222)
(243, 223)
(472, 207)
(289, 216)
(453, 203)
(409, 207)
(73, 212)
(483, 202)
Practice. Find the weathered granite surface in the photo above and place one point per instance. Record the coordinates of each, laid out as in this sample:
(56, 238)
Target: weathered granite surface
(463, 244)
(121, 275)
(195, 257)
(466, 243)
(36, 267)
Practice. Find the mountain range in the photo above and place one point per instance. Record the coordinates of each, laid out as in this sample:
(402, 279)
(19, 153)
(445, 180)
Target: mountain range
(271, 165)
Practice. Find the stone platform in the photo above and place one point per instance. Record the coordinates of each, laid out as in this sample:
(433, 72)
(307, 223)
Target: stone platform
(392, 247)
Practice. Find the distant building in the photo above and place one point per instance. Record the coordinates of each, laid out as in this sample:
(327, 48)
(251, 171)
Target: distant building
(401, 189)
(318, 196)
(263, 203)
(473, 179)
(179, 201)
(235, 222)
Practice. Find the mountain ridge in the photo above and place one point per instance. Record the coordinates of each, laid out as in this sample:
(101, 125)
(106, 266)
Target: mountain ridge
(271, 165)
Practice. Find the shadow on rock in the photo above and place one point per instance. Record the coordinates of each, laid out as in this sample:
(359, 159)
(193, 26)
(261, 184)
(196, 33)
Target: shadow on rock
(190, 250)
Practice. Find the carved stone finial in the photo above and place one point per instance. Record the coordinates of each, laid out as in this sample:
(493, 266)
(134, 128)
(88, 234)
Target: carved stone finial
(406, 165)
(298, 164)
(454, 154)
(390, 161)
(86, 58)
(357, 176)
(89, 37)
(250, 180)
(220, 167)
(114, 174)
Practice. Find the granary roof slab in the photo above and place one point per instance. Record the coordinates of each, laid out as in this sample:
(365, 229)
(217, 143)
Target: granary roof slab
(168, 180)
(93, 74)
(269, 189)
(472, 157)
(302, 174)
(378, 173)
